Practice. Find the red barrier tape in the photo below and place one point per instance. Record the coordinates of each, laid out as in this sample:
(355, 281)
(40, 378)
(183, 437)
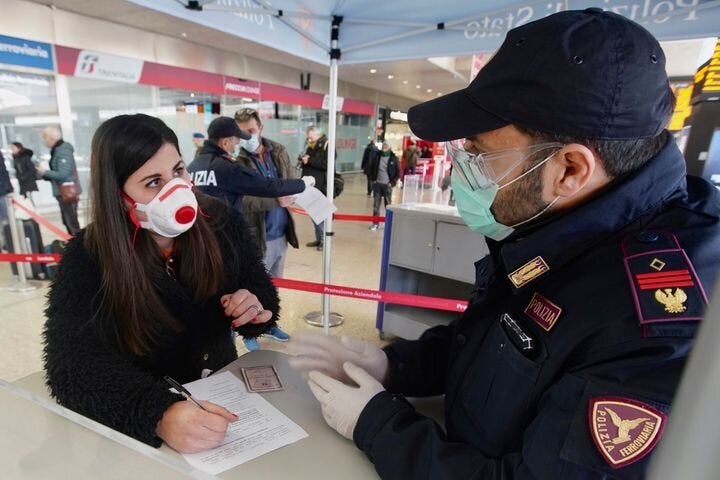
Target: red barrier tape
(30, 257)
(345, 216)
(62, 234)
(435, 303)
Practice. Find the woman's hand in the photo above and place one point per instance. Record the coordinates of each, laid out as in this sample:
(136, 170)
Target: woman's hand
(244, 307)
(189, 429)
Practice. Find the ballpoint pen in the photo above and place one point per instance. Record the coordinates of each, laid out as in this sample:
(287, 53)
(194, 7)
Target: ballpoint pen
(182, 391)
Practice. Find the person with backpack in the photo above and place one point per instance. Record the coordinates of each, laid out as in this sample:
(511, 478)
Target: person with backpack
(313, 162)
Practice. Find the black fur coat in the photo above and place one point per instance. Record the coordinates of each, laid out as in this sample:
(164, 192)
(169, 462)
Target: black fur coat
(89, 373)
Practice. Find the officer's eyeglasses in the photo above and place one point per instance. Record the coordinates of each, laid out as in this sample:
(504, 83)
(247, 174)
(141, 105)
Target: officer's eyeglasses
(486, 170)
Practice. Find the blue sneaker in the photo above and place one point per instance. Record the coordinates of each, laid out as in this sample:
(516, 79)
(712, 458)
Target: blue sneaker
(277, 334)
(251, 344)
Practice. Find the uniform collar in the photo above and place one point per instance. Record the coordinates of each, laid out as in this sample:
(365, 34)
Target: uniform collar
(534, 254)
(214, 148)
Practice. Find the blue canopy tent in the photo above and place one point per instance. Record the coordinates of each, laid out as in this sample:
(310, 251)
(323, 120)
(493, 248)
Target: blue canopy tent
(334, 32)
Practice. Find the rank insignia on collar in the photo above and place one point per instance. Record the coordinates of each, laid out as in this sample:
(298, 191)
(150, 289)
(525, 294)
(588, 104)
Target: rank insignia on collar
(624, 430)
(543, 311)
(528, 272)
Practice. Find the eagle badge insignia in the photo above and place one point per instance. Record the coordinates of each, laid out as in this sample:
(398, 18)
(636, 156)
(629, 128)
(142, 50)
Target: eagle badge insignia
(673, 302)
(528, 272)
(624, 430)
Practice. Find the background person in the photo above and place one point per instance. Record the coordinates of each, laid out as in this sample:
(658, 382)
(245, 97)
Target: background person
(24, 169)
(410, 158)
(384, 171)
(566, 361)
(269, 218)
(6, 189)
(62, 170)
(151, 288)
(313, 163)
(371, 151)
(199, 140)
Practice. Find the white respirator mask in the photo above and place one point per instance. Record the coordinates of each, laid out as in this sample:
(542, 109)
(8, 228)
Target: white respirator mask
(171, 212)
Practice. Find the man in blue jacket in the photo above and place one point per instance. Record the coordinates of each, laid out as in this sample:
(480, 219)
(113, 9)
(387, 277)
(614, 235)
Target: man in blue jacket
(215, 171)
(62, 170)
(602, 251)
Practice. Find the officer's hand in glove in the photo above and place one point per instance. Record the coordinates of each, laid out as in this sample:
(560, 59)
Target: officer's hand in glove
(325, 354)
(309, 181)
(342, 404)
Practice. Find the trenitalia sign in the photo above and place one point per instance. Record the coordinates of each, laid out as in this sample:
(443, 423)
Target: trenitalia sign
(102, 66)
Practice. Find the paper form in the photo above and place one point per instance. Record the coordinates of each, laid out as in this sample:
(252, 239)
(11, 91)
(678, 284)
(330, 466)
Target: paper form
(317, 205)
(261, 428)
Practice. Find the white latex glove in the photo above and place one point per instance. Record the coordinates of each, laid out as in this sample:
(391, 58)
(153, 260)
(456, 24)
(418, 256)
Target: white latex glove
(342, 404)
(325, 354)
(309, 181)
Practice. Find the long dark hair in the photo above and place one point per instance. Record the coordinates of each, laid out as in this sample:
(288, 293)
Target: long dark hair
(129, 273)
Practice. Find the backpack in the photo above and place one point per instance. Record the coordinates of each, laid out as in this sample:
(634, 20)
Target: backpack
(339, 185)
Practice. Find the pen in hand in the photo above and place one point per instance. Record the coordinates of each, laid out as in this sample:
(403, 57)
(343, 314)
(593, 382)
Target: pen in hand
(183, 391)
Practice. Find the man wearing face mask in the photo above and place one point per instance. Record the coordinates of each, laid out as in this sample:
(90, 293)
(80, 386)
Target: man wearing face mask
(602, 249)
(215, 171)
(313, 162)
(268, 218)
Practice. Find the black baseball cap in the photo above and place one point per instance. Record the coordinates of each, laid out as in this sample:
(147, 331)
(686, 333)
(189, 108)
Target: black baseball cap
(224, 127)
(589, 74)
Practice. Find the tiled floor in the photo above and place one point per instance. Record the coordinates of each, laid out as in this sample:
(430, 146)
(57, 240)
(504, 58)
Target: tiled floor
(355, 262)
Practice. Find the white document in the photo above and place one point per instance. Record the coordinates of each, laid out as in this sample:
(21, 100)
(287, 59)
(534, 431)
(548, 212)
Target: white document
(317, 205)
(261, 429)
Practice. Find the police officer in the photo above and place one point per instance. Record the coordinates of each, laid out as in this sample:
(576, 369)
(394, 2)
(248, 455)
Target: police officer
(216, 173)
(602, 249)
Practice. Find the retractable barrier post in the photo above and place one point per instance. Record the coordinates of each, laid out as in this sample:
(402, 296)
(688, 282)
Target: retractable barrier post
(18, 239)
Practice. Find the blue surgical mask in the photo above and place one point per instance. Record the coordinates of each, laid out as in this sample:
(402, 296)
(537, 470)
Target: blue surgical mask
(251, 145)
(236, 150)
(474, 204)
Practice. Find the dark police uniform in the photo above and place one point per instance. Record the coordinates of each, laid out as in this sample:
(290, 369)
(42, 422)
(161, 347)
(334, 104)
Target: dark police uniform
(216, 173)
(567, 359)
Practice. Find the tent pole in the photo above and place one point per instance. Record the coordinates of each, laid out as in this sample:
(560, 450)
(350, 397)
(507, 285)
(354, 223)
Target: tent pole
(328, 234)
(330, 187)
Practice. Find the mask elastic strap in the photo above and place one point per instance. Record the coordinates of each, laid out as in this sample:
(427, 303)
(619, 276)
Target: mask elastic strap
(133, 218)
(537, 214)
(529, 171)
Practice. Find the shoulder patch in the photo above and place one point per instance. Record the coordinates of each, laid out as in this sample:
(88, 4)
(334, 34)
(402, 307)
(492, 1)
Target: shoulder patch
(624, 430)
(664, 284)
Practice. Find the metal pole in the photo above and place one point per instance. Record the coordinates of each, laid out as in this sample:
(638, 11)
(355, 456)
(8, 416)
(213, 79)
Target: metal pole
(332, 130)
(330, 319)
(18, 240)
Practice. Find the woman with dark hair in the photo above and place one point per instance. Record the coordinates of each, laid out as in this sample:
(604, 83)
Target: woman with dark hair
(24, 168)
(152, 287)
